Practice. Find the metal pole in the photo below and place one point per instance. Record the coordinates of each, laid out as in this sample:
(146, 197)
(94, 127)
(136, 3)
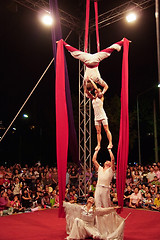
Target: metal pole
(155, 131)
(138, 128)
(158, 42)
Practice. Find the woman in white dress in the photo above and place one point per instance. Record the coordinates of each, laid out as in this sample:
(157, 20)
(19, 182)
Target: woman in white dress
(82, 221)
(100, 117)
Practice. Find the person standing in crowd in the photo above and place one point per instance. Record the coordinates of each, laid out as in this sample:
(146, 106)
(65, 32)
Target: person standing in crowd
(105, 175)
(151, 175)
(157, 172)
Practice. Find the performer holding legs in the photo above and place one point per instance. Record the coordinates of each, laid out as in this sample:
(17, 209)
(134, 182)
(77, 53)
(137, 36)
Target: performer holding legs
(105, 175)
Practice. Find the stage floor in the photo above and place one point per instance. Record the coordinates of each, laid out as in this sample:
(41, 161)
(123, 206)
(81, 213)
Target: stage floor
(45, 225)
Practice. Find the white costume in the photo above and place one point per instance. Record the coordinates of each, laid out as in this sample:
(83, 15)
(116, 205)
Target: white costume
(92, 60)
(102, 193)
(101, 223)
(99, 113)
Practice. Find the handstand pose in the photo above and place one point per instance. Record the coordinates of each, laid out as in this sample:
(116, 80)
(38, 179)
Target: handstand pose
(99, 115)
(92, 61)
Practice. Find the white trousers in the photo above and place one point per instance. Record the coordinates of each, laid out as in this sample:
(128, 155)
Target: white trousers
(102, 196)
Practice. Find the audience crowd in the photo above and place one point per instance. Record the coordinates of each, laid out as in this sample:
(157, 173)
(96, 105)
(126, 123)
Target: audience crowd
(26, 189)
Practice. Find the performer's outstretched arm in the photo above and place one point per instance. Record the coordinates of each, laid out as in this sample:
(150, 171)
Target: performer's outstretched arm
(103, 211)
(112, 159)
(94, 160)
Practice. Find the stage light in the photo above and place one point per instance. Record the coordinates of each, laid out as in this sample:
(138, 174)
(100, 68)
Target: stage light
(25, 115)
(159, 85)
(47, 19)
(131, 17)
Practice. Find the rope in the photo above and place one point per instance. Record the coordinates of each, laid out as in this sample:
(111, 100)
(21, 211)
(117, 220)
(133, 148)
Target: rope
(26, 99)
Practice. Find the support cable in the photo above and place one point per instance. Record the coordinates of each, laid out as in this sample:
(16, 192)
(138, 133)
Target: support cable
(27, 99)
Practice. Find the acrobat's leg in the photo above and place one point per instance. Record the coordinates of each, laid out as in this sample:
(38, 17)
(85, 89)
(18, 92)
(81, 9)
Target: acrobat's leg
(99, 136)
(109, 136)
(82, 56)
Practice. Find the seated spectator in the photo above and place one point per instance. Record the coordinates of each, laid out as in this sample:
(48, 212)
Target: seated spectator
(16, 205)
(2, 174)
(129, 178)
(144, 175)
(47, 181)
(54, 178)
(142, 189)
(16, 174)
(5, 204)
(151, 175)
(71, 197)
(53, 196)
(135, 198)
(115, 199)
(147, 202)
(157, 172)
(156, 205)
(16, 186)
(26, 198)
(6, 182)
(45, 202)
(35, 198)
(73, 177)
(127, 195)
(10, 194)
(56, 199)
(93, 187)
(147, 190)
(155, 181)
(136, 178)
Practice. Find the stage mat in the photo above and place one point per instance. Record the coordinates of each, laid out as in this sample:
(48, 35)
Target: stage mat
(45, 225)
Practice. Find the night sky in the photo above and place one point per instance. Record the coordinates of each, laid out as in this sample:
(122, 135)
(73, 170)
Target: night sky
(26, 50)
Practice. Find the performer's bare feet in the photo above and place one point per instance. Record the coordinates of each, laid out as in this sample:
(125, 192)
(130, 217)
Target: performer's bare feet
(110, 146)
(97, 148)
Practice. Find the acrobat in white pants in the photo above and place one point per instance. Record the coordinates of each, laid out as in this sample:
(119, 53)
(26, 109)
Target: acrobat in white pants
(92, 61)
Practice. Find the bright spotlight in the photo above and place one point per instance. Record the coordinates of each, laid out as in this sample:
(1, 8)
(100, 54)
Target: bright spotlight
(25, 115)
(131, 17)
(159, 85)
(47, 20)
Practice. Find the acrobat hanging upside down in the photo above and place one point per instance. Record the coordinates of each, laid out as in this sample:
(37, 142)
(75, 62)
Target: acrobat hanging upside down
(92, 62)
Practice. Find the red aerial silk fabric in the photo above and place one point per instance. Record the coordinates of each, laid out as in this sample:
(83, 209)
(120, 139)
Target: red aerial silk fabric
(96, 21)
(61, 125)
(87, 26)
(123, 145)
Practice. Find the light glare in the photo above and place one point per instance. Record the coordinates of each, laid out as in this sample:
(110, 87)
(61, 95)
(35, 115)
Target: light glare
(131, 17)
(25, 115)
(159, 85)
(47, 20)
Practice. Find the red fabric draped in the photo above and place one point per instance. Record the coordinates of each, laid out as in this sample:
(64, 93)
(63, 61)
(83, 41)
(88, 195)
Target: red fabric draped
(123, 145)
(87, 25)
(96, 22)
(61, 125)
